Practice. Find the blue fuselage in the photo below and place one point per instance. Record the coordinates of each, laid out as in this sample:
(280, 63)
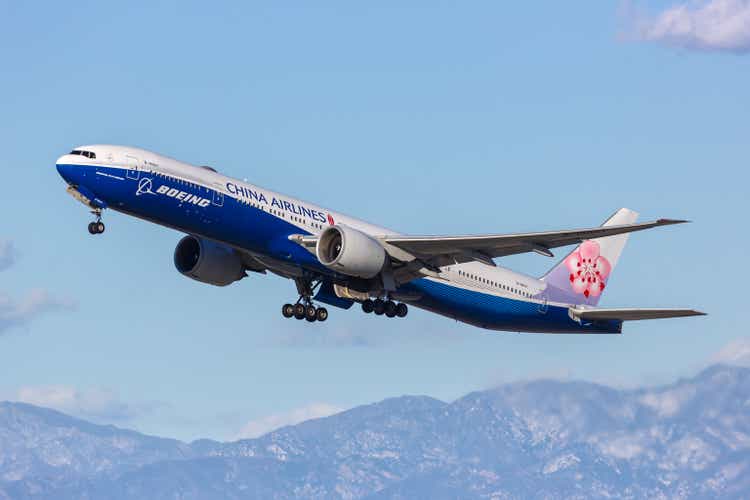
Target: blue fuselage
(211, 212)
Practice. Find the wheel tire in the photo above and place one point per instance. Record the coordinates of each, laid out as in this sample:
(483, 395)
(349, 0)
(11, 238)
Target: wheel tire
(299, 311)
(310, 320)
(311, 313)
(287, 310)
(367, 306)
(100, 227)
(378, 307)
(322, 314)
(92, 227)
(390, 309)
(402, 310)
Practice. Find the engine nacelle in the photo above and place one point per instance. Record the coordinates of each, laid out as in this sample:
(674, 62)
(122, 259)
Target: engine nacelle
(350, 252)
(208, 262)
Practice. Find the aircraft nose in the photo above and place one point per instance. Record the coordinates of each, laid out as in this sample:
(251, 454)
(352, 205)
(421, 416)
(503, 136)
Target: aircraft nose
(63, 168)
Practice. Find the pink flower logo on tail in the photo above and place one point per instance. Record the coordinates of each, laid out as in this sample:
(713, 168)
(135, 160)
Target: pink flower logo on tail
(588, 269)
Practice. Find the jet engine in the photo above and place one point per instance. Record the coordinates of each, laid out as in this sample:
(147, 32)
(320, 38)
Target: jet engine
(208, 262)
(350, 252)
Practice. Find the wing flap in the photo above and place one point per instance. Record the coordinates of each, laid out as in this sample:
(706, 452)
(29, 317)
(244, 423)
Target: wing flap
(631, 314)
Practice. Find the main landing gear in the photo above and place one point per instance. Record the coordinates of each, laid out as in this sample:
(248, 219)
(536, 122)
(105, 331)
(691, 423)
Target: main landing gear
(97, 227)
(304, 308)
(387, 307)
(304, 311)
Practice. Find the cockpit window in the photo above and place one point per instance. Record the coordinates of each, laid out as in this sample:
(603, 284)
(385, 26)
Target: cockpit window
(87, 154)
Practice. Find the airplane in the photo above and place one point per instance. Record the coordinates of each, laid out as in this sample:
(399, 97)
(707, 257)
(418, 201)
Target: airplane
(234, 228)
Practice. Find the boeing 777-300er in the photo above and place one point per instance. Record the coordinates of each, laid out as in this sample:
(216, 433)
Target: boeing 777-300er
(234, 227)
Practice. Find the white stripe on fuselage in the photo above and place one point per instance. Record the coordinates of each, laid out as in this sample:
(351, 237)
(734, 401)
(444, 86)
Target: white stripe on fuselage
(473, 276)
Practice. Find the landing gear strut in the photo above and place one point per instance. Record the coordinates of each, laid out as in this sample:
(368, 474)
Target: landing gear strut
(387, 307)
(97, 227)
(304, 307)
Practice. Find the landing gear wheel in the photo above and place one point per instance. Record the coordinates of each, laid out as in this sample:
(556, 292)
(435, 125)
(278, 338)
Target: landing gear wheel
(311, 314)
(287, 310)
(402, 310)
(322, 314)
(299, 311)
(378, 307)
(96, 227)
(368, 306)
(390, 309)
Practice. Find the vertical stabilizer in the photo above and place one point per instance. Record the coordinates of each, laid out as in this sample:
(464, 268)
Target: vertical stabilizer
(582, 276)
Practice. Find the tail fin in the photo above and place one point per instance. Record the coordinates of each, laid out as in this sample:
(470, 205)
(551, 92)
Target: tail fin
(582, 276)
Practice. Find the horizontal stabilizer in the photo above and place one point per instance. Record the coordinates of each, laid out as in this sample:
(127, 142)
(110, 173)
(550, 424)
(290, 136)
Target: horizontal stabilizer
(631, 314)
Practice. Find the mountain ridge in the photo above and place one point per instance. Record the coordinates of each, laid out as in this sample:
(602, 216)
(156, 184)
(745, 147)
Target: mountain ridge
(543, 438)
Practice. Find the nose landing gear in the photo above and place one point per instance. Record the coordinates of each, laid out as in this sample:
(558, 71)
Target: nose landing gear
(97, 227)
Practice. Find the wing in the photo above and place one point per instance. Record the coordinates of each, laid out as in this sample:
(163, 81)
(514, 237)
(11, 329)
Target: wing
(631, 314)
(414, 256)
(457, 249)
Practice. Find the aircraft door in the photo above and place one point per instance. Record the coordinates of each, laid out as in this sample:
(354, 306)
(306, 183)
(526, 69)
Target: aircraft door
(543, 304)
(217, 197)
(132, 164)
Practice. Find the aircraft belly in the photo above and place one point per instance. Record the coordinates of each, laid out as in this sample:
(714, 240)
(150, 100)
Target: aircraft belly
(495, 312)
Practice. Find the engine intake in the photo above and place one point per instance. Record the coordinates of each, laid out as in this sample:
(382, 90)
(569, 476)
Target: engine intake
(208, 262)
(350, 252)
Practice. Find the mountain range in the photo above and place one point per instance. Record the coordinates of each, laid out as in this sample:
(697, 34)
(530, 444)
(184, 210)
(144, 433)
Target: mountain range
(536, 439)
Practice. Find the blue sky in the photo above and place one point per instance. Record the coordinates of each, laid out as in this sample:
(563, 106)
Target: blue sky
(431, 118)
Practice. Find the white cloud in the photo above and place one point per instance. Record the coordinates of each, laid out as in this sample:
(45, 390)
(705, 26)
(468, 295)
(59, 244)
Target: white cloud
(623, 447)
(92, 404)
(19, 313)
(737, 352)
(722, 25)
(7, 254)
(264, 425)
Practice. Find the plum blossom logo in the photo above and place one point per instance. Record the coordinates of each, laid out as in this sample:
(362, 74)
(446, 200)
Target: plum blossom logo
(588, 269)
